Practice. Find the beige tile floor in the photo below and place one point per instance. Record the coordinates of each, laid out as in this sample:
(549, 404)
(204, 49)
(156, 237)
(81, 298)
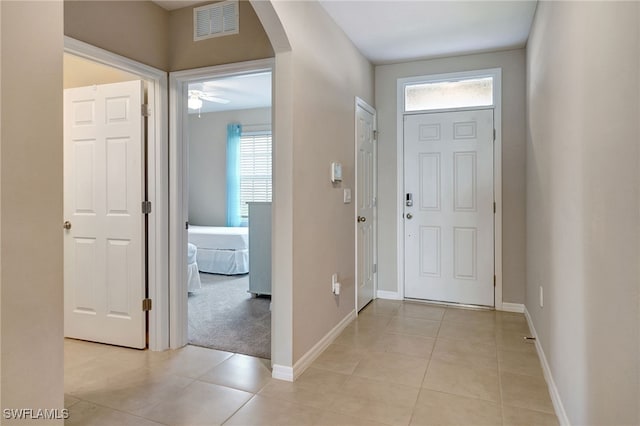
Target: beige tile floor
(399, 363)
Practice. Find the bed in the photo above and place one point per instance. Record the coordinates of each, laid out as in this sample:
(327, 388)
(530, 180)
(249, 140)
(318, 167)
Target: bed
(221, 250)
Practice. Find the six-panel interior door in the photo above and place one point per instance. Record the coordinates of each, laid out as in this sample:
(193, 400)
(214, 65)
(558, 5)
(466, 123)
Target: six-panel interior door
(104, 282)
(448, 180)
(365, 194)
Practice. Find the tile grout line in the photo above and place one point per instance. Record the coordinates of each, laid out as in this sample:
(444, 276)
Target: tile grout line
(426, 371)
(239, 408)
(119, 411)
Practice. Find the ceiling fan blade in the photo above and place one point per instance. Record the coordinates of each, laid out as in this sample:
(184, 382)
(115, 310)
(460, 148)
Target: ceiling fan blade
(214, 99)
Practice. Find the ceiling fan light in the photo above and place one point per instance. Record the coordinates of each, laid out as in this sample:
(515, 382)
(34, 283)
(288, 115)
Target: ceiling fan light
(194, 102)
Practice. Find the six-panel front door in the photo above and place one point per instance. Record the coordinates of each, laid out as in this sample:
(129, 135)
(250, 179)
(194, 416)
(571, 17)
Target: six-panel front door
(104, 228)
(449, 210)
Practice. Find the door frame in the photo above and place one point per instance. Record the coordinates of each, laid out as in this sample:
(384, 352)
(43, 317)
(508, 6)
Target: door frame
(179, 185)
(360, 103)
(496, 73)
(157, 179)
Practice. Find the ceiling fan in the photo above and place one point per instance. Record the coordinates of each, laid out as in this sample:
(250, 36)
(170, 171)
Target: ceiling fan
(197, 96)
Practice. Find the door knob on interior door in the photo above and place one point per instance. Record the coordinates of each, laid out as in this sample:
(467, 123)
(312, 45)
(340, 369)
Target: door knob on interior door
(409, 216)
(362, 219)
(67, 225)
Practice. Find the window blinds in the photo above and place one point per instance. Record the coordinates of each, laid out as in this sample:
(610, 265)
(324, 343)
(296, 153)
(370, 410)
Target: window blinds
(255, 170)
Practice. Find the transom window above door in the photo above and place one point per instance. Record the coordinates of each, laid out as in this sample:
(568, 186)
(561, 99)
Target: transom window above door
(449, 94)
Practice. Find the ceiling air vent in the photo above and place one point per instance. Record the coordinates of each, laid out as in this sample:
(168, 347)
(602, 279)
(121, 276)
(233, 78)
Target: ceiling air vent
(214, 20)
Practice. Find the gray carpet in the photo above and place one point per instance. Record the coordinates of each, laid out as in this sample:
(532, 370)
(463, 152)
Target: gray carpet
(224, 316)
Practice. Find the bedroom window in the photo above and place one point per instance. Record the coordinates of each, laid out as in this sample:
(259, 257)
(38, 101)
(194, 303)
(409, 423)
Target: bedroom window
(255, 170)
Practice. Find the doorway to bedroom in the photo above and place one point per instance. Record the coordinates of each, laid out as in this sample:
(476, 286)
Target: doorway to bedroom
(227, 127)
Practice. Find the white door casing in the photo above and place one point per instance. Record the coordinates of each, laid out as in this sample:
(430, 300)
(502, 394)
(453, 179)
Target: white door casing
(449, 228)
(103, 190)
(179, 188)
(365, 208)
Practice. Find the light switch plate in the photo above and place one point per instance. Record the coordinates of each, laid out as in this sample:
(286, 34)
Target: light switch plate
(336, 172)
(347, 195)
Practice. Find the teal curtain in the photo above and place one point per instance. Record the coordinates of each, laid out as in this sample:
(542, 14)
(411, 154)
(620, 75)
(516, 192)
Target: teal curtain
(233, 175)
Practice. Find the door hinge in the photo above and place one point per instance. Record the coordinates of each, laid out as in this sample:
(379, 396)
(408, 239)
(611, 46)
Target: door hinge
(494, 207)
(375, 135)
(375, 268)
(186, 225)
(145, 110)
(146, 305)
(146, 207)
(494, 135)
(494, 280)
(375, 202)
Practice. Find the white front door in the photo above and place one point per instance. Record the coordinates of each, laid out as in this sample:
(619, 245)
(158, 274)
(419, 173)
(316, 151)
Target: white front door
(104, 281)
(449, 210)
(365, 195)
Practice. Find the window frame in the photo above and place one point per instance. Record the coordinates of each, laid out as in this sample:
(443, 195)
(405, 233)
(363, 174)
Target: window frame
(499, 305)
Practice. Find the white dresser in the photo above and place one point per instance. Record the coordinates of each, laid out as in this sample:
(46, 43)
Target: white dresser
(260, 249)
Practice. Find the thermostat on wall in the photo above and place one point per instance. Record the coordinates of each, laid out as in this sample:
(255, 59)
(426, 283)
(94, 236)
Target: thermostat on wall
(336, 172)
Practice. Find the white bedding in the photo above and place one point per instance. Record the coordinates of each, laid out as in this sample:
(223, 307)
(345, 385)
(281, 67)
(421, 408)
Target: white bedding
(221, 250)
(219, 237)
(225, 262)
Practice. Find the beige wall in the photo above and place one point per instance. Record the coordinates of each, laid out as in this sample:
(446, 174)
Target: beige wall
(0, 203)
(512, 63)
(184, 53)
(80, 72)
(31, 207)
(582, 204)
(137, 30)
(327, 73)
(208, 161)
(143, 31)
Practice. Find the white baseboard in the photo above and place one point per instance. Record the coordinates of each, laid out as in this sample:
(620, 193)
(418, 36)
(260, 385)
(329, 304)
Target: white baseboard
(290, 374)
(391, 295)
(553, 389)
(282, 372)
(512, 307)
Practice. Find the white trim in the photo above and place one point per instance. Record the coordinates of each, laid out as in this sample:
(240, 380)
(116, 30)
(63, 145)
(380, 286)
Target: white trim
(497, 166)
(451, 304)
(282, 372)
(389, 295)
(178, 184)
(157, 176)
(292, 373)
(361, 103)
(551, 384)
(512, 307)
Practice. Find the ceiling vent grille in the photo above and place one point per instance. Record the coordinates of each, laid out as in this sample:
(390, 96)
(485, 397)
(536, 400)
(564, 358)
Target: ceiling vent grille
(214, 20)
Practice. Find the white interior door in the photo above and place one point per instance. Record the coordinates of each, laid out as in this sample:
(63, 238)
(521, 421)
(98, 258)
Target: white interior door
(365, 195)
(103, 190)
(449, 210)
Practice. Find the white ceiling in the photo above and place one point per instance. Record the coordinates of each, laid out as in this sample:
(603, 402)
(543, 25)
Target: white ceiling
(388, 31)
(175, 4)
(394, 31)
(242, 91)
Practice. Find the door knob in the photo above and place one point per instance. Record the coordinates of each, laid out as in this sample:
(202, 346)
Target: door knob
(67, 225)
(409, 216)
(362, 219)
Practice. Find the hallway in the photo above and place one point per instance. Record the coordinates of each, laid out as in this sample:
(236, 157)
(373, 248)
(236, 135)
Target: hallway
(399, 363)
